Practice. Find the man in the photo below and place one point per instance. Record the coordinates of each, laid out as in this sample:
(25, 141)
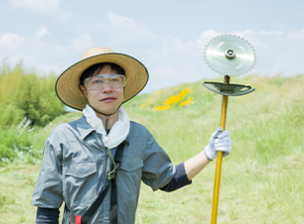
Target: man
(96, 164)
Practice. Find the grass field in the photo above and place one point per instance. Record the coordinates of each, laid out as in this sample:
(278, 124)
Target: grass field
(262, 180)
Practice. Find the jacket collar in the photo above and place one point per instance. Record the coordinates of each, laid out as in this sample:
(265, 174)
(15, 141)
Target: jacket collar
(84, 127)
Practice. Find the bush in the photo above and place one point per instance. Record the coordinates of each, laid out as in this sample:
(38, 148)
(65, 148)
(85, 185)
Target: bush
(16, 147)
(26, 94)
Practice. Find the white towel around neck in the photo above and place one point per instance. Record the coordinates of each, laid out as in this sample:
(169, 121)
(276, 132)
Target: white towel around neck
(119, 130)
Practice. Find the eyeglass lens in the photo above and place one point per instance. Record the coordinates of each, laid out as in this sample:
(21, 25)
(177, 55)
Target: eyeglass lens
(99, 81)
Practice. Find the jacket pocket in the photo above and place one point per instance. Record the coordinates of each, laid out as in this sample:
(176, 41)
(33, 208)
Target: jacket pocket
(129, 177)
(79, 184)
(81, 170)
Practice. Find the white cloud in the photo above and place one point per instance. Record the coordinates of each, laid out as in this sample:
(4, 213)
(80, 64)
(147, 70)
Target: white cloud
(120, 21)
(165, 72)
(10, 38)
(281, 26)
(182, 48)
(127, 29)
(173, 47)
(163, 76)
(249, 35)
(11, 41)
(83, 42)
(277, 52)
(41, 33)
(271, 33)
(252, 37)
(36, 4)
(75, 49)
(47, 7)
(205, 37)
(296, 35)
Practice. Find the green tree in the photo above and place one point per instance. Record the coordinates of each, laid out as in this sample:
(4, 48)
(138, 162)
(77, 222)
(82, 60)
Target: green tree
(26, 94)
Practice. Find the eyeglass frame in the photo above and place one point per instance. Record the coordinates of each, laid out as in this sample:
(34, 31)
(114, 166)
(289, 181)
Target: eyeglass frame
(86, 80)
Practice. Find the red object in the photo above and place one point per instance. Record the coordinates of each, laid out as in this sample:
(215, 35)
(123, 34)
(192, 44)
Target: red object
(77, 219)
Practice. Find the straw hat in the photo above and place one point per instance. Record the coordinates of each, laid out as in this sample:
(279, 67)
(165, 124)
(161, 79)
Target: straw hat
(67, 83)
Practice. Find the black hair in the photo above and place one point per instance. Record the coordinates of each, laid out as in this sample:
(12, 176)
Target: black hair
(89, 72)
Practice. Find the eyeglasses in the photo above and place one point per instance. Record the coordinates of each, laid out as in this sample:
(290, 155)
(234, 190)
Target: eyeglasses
(99, 81)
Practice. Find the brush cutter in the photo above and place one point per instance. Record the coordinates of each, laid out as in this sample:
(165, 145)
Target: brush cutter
(227, 55)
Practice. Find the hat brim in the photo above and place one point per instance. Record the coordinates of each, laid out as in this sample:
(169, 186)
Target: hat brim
(67, 88)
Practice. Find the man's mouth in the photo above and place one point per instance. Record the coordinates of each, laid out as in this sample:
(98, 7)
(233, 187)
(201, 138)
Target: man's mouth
(108, 99)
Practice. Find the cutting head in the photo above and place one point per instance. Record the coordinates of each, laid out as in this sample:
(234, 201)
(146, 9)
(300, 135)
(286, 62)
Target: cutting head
(230, 55)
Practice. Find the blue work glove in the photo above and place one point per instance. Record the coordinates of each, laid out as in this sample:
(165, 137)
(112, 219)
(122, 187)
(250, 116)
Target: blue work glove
(219, 141)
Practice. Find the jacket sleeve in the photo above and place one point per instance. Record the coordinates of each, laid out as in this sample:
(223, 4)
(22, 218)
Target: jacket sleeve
(158, 169)
(48, 189)
(179, 180)
(47, 215)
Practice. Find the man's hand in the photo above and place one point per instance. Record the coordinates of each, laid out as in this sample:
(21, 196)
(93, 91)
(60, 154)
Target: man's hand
(219, 141)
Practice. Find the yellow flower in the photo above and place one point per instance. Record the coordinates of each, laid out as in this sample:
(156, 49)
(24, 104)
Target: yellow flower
(162, 108)
(178, 98)
(184, 92)
(187, 102)
(159, 92)
(148, 102)
(172, 100)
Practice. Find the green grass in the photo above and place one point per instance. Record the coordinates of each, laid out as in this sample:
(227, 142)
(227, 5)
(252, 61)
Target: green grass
(262, 180)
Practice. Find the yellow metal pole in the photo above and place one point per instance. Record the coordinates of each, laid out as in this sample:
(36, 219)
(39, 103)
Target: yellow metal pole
(218, 167)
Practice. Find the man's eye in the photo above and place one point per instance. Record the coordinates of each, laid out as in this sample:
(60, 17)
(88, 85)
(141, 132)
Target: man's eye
(97, 81)
(115, 80)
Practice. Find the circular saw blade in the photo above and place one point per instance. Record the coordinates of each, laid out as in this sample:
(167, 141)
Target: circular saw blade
(230, 55)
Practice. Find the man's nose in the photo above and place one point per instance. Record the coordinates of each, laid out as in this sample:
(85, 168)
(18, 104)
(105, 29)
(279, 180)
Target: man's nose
(106, 87)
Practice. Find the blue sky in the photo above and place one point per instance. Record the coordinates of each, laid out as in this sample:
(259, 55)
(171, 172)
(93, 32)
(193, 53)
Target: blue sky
(167, 36)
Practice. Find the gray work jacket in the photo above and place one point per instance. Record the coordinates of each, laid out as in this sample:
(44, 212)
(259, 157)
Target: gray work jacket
(74, 170)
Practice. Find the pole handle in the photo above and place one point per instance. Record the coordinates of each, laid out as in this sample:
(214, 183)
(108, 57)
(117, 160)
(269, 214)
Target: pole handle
(218, 167)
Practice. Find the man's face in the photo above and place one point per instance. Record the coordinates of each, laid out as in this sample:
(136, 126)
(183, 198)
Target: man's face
(107, 99)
